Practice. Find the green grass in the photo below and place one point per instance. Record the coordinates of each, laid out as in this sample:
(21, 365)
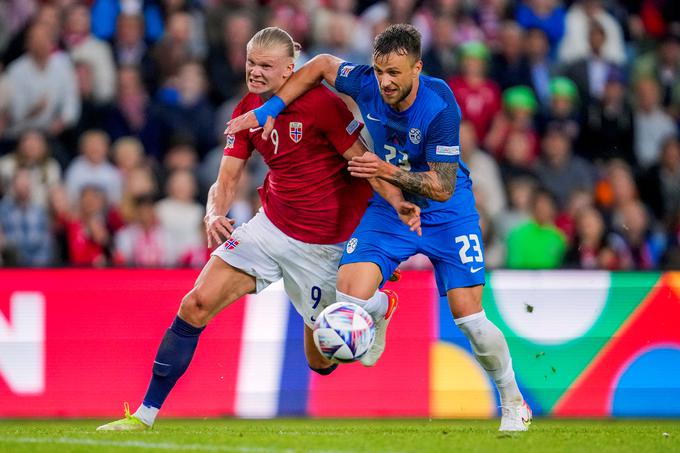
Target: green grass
(338, 436)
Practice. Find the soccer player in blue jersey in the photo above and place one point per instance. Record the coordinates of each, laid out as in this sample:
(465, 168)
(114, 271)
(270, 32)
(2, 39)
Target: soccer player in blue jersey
(414, 122)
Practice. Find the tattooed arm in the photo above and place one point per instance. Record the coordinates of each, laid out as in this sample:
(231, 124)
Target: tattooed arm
(437, 184)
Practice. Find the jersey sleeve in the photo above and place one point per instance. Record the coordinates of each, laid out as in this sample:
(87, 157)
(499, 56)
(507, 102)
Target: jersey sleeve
(337, 123)
(443, 142)
(238, 145)
(352, 79)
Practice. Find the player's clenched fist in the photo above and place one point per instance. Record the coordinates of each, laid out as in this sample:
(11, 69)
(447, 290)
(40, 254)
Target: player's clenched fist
(218, 228)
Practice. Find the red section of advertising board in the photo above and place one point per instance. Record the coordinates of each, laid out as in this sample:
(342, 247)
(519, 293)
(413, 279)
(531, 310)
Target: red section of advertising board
(101, 332)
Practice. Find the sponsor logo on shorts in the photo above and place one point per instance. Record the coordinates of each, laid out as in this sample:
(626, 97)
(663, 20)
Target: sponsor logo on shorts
(447, 150)
(415, 136)
(352, 127)
(352, 245)
(295, 131)
(230, 141)
(230, 244)
(344, 72)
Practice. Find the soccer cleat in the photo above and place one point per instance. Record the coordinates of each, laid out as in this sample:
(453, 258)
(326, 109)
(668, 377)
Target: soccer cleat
(515, 418)
(128, 423)
(396, 275)
(378, 347)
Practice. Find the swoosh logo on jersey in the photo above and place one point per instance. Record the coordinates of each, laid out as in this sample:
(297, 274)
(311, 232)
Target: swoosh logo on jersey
(255, 129)
(372, 118)
(476, 269)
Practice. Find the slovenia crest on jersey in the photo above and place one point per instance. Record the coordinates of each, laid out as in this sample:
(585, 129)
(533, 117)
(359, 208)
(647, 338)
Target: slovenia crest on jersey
(295, 131)
(414, 135)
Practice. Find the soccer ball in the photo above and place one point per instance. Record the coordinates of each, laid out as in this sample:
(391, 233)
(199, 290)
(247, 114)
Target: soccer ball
(344, 332)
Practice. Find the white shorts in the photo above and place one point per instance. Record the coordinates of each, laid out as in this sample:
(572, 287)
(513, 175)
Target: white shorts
(309, 271)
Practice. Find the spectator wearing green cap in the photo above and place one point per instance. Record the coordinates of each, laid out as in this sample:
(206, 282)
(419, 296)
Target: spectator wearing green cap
(517, 115)
(563, 109)
(478, 96)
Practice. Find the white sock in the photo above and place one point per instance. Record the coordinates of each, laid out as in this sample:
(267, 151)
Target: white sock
(146, 414)
(491, 351)
(376, 306)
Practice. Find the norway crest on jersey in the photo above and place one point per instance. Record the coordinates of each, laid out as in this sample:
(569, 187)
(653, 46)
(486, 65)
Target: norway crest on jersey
(295, 131)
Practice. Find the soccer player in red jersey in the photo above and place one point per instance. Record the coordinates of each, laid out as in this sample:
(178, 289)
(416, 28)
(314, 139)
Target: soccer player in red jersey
(311, 205)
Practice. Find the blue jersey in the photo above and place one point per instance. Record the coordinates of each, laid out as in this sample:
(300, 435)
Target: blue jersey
(425, 132)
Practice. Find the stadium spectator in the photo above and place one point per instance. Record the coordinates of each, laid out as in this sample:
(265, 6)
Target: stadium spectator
(335, 35)
(562, 111)
(645, 245)
(616, 188)
(478, 96)
(93, 168)
(517, 158)
(660, 184)
(143, 243)
(578, 25)
(47, 15)
(494, 247)
(486, 177)
(559, 170)
(42, 86)
(89, 229)
(127, 154)
(545, 15)
(608, 131)
(180, 216)
(509, 66)
(60, 216)
(663, 65)
(83, 47)
(130, 49)
(590, 71)
(24, 224)
(520, 193)
(538, 243)
(32, 154)
(441, 59)
(226, 60)
(652, 124)
(517, 115)
(133, 113)
(188, 111)
(578, 199)
(594, 247)
(540, 66)
(173, 50)
(139, 181)
(105, 13)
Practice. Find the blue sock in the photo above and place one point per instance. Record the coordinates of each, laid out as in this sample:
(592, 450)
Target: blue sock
(172, 360)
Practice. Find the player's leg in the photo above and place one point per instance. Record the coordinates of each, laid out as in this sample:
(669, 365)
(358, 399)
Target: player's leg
(317, 362)
(218, 285)
(240, 266)
(459, 272)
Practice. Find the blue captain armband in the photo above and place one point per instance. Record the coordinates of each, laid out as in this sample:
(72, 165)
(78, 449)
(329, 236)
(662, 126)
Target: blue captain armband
(272, 108)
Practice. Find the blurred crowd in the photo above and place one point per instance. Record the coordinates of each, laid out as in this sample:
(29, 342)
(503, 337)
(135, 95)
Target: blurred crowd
(112, 112)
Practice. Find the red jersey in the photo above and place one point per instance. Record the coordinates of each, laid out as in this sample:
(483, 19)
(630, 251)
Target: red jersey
(478, 104)
(308, 192)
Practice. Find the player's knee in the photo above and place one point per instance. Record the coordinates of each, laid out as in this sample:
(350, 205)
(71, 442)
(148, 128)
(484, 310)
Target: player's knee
(195, 308)
(324, 371)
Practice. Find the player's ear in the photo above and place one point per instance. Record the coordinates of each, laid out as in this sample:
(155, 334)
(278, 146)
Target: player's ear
(417, 68)
(289, 70)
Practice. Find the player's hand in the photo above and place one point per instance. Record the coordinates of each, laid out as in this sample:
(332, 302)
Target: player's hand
(409, 213)
(249, 121)
(218, 228)
(367, 165)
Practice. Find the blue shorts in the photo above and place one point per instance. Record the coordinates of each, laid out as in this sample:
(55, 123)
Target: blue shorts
(456, 250)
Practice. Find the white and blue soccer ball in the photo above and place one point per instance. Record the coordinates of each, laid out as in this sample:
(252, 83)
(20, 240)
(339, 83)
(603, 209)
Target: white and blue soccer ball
(344, 332)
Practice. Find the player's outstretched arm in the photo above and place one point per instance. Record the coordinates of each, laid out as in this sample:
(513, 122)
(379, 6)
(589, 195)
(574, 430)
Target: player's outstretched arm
(438, 183)
(218, 226)
(322, 67)
(408, 212)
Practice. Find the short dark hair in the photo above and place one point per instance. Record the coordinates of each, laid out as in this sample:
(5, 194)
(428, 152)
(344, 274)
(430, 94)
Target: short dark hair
(404, 39)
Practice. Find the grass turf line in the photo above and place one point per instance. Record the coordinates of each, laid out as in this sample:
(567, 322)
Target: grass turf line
(343, 436)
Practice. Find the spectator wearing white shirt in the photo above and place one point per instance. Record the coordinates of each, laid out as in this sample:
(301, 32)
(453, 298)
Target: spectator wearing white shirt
(42, 86)
(92, 168)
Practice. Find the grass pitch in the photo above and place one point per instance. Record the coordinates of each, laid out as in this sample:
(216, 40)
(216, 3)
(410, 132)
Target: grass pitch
(343, 436)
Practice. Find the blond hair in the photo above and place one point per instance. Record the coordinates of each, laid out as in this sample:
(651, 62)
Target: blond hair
(275, 36)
